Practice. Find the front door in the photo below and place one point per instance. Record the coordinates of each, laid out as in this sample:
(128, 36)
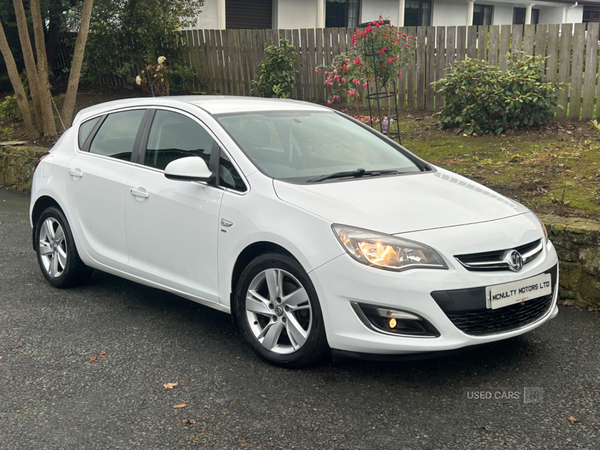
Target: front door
(172, 226)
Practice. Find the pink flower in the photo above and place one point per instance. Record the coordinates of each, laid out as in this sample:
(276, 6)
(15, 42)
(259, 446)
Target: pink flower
(336, 97)
(336, 77)
(318, 70)
(343, 80)
(329, 102)
(364, 85)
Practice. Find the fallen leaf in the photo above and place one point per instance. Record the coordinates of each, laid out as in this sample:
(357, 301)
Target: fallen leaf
(190, 421)
(573, 419)
(568, 171)
(100, 355)
(170, 385)
(183, 405)
(0, 357)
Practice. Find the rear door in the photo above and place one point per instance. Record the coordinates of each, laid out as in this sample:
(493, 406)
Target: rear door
(96, 184)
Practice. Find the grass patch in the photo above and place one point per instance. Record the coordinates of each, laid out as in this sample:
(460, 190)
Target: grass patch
(554, 170)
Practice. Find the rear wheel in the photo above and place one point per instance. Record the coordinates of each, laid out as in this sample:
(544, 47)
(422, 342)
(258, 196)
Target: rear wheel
(279, 313)
(56, 252)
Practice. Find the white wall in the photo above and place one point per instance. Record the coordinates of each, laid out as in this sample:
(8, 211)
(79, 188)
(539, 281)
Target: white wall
(296, 14)
(372, 9)
(575, 15)
(550, 15)
(503, 13)
(208, 16)
(303, 13)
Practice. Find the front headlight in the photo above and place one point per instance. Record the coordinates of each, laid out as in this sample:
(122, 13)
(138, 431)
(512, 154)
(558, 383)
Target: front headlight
(386, 251)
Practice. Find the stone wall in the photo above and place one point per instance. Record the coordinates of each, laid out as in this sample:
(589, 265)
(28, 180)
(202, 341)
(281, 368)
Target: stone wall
(16, 165)
(577, 243)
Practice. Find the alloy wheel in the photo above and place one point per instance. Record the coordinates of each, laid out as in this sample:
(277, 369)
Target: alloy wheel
(53, 247)
(279, 311)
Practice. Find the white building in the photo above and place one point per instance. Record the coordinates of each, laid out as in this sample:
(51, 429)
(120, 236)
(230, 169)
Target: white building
(290, 14)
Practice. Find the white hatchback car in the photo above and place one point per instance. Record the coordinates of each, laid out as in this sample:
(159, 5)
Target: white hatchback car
(317, 233)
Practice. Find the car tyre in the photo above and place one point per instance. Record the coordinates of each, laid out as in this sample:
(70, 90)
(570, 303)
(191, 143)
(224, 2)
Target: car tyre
(278, 312)
(56, 251)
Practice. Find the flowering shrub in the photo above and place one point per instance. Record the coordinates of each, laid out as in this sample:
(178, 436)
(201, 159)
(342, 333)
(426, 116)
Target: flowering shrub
(154, 80)
(377, 55)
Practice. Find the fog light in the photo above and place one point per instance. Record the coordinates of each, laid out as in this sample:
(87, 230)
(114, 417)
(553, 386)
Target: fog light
(393, 314)
(393, 321)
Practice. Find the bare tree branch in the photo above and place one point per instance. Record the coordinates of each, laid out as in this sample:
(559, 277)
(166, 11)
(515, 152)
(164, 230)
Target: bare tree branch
(40, 47)
(84, 28)
(17, 85)
(32, 75)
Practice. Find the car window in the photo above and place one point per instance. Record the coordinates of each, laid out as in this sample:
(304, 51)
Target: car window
(85, 129)
(301, 145)
(175, 136)
(229, 176)
(116, 136)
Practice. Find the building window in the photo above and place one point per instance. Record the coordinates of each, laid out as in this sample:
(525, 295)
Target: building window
(519, 16)
(242, 14)
(342, 13)
(591, 14)
(482, 14)
(417, 13)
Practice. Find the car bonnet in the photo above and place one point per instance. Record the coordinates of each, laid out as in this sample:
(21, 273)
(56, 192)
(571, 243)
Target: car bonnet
(400, 204)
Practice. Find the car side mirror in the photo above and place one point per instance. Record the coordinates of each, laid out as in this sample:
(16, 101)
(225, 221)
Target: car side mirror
(191, 168)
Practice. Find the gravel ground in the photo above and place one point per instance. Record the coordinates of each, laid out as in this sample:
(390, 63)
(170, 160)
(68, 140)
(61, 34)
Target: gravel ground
(54, 396)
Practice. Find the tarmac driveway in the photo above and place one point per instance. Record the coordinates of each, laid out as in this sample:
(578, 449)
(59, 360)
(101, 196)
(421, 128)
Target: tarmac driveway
(86, 368)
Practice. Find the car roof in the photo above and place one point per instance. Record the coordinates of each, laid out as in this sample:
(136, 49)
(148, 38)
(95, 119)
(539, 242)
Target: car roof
(213, 104)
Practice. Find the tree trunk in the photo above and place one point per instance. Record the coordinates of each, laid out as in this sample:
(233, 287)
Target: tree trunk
(84, 28)
(40, 47)
(15, 80)
(34, 85)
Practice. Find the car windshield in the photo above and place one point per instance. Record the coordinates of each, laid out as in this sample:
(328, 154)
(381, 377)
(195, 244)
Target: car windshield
(314, 146)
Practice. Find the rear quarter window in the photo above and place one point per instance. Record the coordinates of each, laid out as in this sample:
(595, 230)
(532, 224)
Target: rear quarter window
(85, 129)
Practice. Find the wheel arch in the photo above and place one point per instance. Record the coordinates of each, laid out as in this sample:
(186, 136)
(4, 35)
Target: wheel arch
(39, 207)
(248, 254)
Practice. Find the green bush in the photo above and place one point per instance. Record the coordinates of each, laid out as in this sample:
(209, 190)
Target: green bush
(10, 108)
(277, 73)
(183, 78)
(479, 98)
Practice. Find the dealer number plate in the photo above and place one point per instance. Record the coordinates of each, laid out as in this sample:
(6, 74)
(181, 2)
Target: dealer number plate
(502, 295)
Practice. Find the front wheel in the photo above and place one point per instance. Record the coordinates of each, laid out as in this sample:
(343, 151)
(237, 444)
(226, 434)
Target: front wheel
(279, 313)
(56, 252)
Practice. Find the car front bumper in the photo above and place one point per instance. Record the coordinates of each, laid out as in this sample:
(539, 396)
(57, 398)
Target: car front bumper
(343, 282)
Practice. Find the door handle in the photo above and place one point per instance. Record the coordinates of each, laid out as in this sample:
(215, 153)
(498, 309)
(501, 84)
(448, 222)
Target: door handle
(140, 193)
(76, 173)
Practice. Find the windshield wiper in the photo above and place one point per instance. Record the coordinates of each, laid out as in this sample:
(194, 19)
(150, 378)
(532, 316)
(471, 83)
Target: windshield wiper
(358, 173)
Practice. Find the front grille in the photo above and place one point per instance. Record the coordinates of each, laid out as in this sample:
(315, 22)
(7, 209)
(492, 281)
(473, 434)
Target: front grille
(494, 260)
(492, 321)
(467, 309)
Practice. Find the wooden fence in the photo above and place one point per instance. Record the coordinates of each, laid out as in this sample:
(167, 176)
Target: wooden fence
(226, 60)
